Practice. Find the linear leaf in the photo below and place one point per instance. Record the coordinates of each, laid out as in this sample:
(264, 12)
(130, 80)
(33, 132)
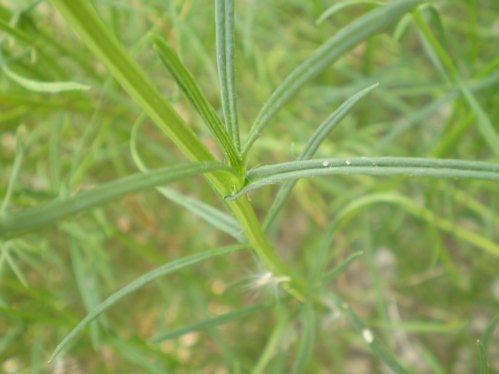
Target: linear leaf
(341, 268)
(30, 219)
(380, 166)
(139, 283)
(5, 251)
(483, 364)
(311, 147)
(435, 105)
(335, 8)
(489, 330)
(15, 32)
(83, 18)
(215, 217)
(272, 347)
(39, 86)
(423, 214)
(347, 38)
(224, 19)
(214, 321)
(193, 92)
(307, 340)
(18, 159)
(484, 124)
(367, 336)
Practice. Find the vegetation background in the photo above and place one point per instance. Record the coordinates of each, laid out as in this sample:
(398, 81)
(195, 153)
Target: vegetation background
(422, 254)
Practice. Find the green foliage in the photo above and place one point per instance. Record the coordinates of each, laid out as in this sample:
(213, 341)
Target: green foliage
(378, 249)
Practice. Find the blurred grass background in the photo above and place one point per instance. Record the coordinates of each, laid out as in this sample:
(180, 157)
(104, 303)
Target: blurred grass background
(427, 290)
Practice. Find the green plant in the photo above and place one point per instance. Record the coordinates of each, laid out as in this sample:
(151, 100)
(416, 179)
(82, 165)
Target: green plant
(231, 177)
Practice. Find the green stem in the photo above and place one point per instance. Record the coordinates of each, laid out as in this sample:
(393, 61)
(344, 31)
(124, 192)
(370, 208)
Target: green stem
(245, 215)
(84, 20)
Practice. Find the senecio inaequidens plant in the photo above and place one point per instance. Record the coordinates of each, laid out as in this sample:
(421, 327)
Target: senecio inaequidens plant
(232, 177)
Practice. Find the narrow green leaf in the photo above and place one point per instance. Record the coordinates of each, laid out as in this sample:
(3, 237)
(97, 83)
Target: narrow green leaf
(489, 330)
(341, 268)
(346, 39)
(5, 250)
(431, 361)
(335, 8)
(381, 166)
(15, 32)
(83, 18)
(30, 219)
(134, 355)
(273, 342)
(311, 147)
(483, 364)
(140, 282)
(307, 340)
(484, 124)
(368, 337)
(423, 214)
(214, 321)
(224, 19)
(16, 167)
(39, 86)
(87, 284)
(215, 217)
(193, 92)
(434, 106)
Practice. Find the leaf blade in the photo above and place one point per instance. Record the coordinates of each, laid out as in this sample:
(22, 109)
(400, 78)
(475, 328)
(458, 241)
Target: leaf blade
(213, 321)
(335, 47)
(224, 20)
(139, 283)
(312, 146)
(381, 166)
(193, 92)
(40, 216)
(366, 334)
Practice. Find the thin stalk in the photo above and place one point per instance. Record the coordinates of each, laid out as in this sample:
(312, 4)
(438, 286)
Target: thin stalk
(82, 17)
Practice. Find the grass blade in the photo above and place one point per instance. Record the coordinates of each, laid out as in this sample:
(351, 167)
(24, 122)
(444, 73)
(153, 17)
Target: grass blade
(484, 124)
(5, 250)
(215, 217)
(423, 214)
(273, 343)
(193, 92)
(214, 321)
(311, 147)
(435, 105)
(341, 268)
(367, 336)
(39, 86)
(15, 32)
(83, 18)
(483, 364)
(335, 8)
(489, 330)
(139, 283)
(347, 38)
(30, 219)
(380, 166)
(18, 160)
(307, 341)
(224, 19)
